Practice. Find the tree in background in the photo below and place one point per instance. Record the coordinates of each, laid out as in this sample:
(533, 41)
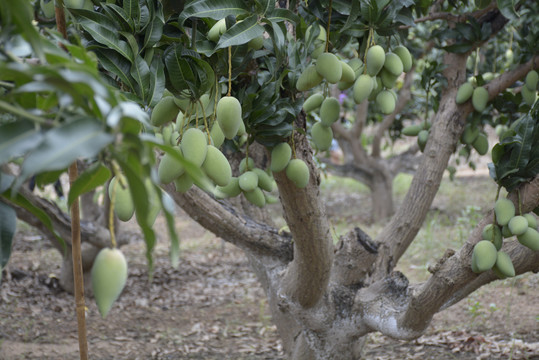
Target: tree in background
(242, 94)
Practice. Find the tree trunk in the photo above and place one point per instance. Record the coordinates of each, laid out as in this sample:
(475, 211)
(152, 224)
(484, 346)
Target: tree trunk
(382, 196)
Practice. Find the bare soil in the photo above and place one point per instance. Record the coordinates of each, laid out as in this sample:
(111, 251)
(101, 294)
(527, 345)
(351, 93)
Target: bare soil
(211, 307)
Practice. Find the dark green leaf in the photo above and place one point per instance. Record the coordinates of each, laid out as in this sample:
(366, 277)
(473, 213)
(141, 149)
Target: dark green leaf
(8, 225)
(214, 9)
(507, 8)
(157, 81)
(140, 71)
(241, 33)
(153, 33)
(94, 176)
(108, 38)
(117, 65)
(283, 15)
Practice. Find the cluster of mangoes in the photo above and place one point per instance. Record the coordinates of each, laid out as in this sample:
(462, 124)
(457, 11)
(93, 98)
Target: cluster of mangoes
(487, 254)
(472, 135)
(479, 95)
(419, 130)
(109, 275)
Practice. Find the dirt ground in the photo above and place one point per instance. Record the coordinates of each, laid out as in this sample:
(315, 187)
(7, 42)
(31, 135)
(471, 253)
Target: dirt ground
(212, 307)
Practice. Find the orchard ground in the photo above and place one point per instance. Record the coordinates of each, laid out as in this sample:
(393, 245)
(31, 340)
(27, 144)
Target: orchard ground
(212, 307)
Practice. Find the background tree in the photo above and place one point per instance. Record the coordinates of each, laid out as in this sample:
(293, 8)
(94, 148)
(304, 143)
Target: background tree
(324, 297)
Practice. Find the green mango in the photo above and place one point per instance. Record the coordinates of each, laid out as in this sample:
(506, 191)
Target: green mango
(255, 197)
(217, 30)
(348, 74)
(308, 79)
(464, 93)
(422, 139)
(217, 167)
(480, 144)
(228, 115)
(531, 80)
(485, 255)
(246, 164)
(280, 157)
(329, 67)
(528, 95)
(313, 102)
(530, 239)
(386, 102)
(124, 207)
(532, 221)
(405, 56)
(470, 134)
(298, 172)
(363, 87)
(265, 182)
(504, 210)
(322, 136)
(183, 183)
(164, 112)
(109, 275)
(248, 181)
(170, 168)
(330, 111)
(231, 190)
(518, 225)
(480, 98)
(376, 57)
(504, 265)
(493, 233)
(412, 130)
(194, 146)
(388, 79)
(217, 136)
(393, 64)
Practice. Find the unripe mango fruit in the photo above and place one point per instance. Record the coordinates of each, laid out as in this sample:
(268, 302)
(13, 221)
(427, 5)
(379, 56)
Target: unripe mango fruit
(231, 190)
(313, 102)
(321, 35)
(464, 93)
(532, 221)
(194, 146)
(170, 168)
(530, 239)
(518, 225)
(248, 181)
(469, 134)
(412, 130)
(493, 233)
(504, 210)
(322, 136)
(528, 95)
(386, 102)
(280, 157)
(363, 88)
(480, 144)
(165, 111)
(504, 264)
(485, 255)
(329, 67)
(480, 98)
(393, 64)
(217, 30)
(298, 172)
(422, 139)
(124, 207)
(388, 79)
(330, 111)
(376, 57)
(255, 197)
(217, 167)
(308, 79)
(217, 136)
(265, 182)
(228, 115)
(348, 74)
(246, 164)
(183, 183)
(405, 56)
(531, 80)
(109, 275)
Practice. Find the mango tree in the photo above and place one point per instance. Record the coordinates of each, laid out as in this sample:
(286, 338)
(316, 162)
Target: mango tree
(208, 104)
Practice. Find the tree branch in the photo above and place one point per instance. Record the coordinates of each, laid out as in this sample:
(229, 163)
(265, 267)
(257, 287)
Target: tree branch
(308, 274)
(225, 222)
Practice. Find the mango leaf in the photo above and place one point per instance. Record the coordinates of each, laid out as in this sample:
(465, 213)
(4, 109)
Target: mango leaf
(181, 75)
(108, 38)
(61, 146)
(283, 15)
(17, 138)
(265, 6)
(153, 33)
(168, 206)
(140, 71)
(8, 225)
(119, 14)
(96, 175)
(241, 33)
(96, 17)
(507, 8)
(157, 81)
(132, 9)
(214, 9)
(117, 65)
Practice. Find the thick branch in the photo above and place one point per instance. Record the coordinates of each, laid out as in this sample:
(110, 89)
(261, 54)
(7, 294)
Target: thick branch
(307, 276)
(226, 223)
(404, 96)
